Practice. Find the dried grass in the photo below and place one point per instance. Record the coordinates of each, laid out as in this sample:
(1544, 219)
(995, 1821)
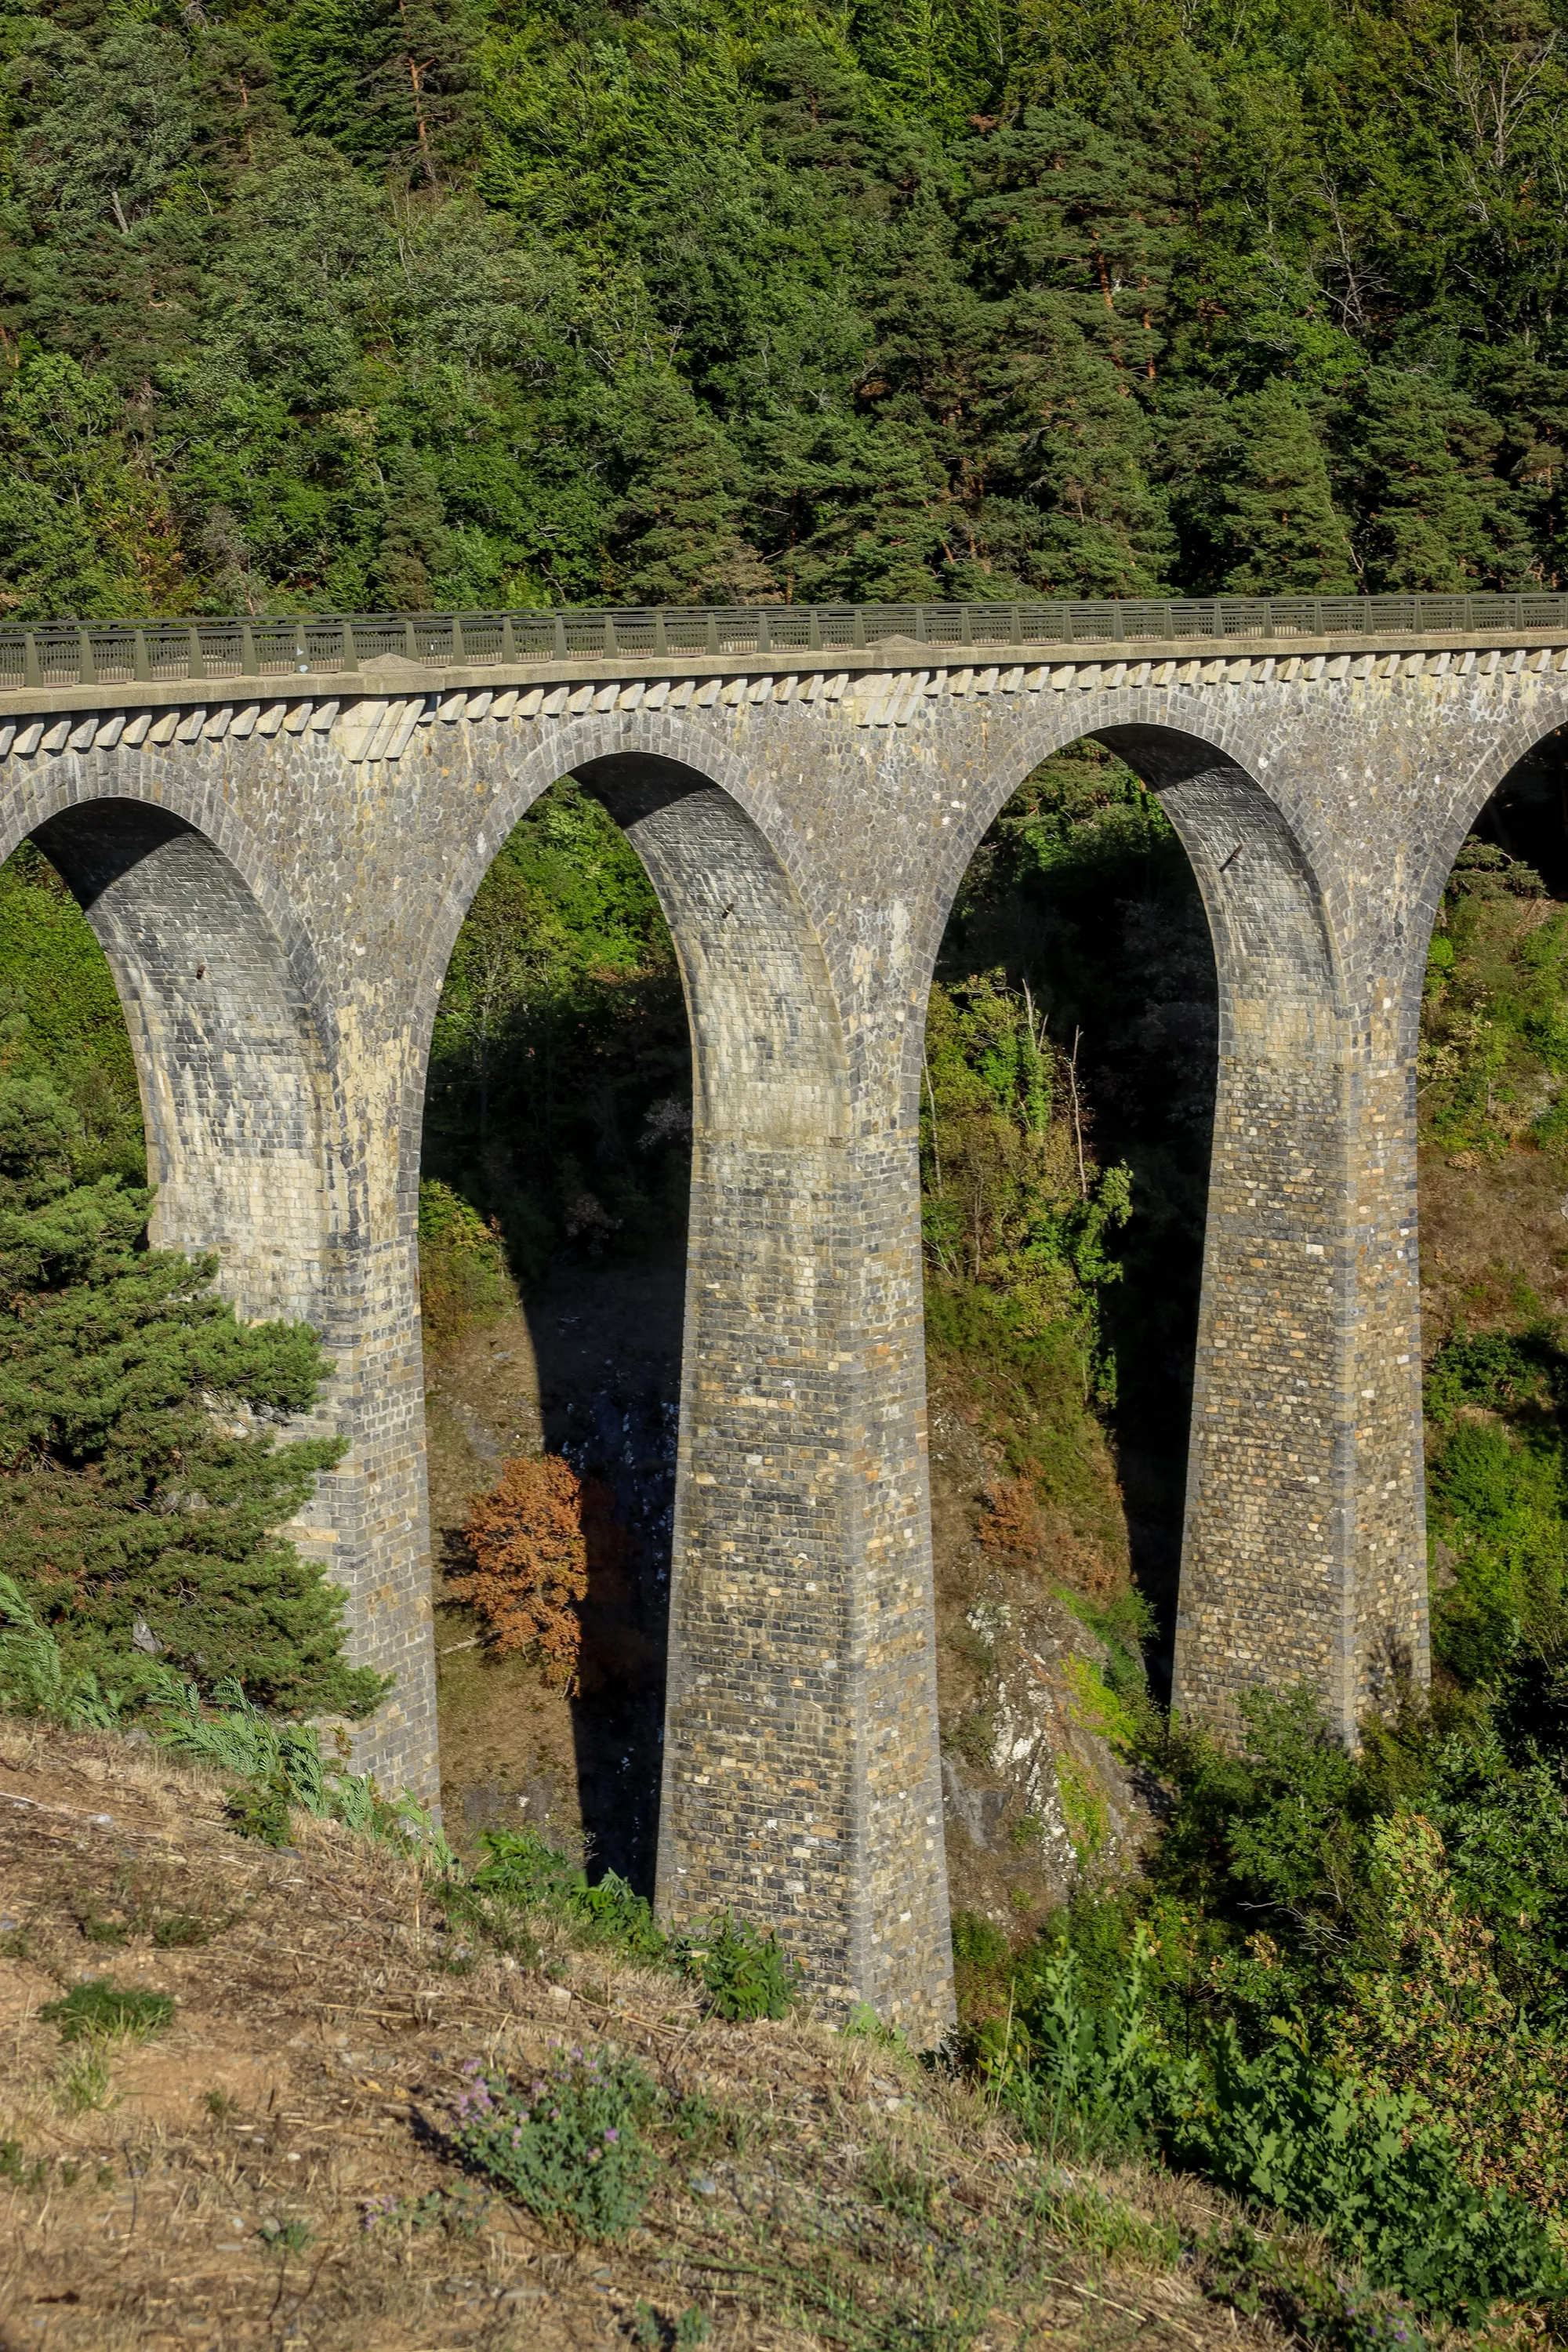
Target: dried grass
(830, 2191)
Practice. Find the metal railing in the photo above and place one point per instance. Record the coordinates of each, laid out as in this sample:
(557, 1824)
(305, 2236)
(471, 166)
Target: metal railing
(129, 652)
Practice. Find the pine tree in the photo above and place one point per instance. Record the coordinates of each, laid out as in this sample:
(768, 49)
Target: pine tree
(679, 527)
(1437, 516)
(415, 540)
(140, 1474)
(1283, 533)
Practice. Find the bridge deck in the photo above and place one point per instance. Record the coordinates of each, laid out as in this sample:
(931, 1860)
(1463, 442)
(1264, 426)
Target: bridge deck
(325, 669)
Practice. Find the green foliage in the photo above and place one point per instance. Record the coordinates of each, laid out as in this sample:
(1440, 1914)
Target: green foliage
(521, 1867)
(143, 1473)
(1074, 1006)
(279, 1765)
(1082, 2078)
(1494, 1031)
(98, 2009)
(690, 2329)
(1269, 1829)
(1278, 2131)
(1498, 1500)
(568, 2145)
(463, 1275)
(356, 302)
(744, 1974)
(1264, 2276)
(1275, 2129)
(60, 1017)
(1339, 1993)
(286, 2236)
(34, 1678)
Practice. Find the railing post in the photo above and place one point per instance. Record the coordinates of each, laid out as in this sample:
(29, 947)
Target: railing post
(660, 636)
(32, 672)
(348, 652)
(195, 660)
(140, 667)
(814, 632)
(764, 632)
(561, 645)
(460, 650)
(87, 666)
(508, 638)
(247, 667)
(612, 643)
(1116, 626)
(1016, 624)
(301, 650)
(965, 626)
(713, 646)
(410, 641)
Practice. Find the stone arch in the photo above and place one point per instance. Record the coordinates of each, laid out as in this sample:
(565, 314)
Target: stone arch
(1300, 1555)
(253, 1095)
(768, 1803)
(226, 1042)
(1456, 813)
(719, 852)
(1276, 951)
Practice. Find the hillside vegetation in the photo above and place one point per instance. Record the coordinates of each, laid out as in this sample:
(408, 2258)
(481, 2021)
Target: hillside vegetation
(266, 2118)
(350, 303)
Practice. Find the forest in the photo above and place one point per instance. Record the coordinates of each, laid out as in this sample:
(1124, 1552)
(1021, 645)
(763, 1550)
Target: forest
(355, 304)
(336, 305)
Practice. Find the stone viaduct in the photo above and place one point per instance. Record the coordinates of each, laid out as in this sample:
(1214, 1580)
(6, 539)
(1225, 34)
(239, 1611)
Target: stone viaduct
(276, 830)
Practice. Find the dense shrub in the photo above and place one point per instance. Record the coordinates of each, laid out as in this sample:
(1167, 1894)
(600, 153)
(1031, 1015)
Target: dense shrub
(463, 1276)
(1278, 2127)
(1282, 2131)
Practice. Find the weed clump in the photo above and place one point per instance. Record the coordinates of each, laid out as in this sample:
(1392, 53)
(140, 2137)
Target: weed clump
(744, 1975)
(99, 2008)
(568, 2145)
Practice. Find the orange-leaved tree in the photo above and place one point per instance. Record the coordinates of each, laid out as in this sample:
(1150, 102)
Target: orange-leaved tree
(532, 1539)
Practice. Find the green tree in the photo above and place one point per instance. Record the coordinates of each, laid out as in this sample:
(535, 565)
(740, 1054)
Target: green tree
(1436, 514)
(1281, 533)
(140, 1462)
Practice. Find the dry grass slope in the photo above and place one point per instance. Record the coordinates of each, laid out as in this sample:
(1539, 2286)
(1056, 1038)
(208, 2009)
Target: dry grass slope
(218, 2184)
